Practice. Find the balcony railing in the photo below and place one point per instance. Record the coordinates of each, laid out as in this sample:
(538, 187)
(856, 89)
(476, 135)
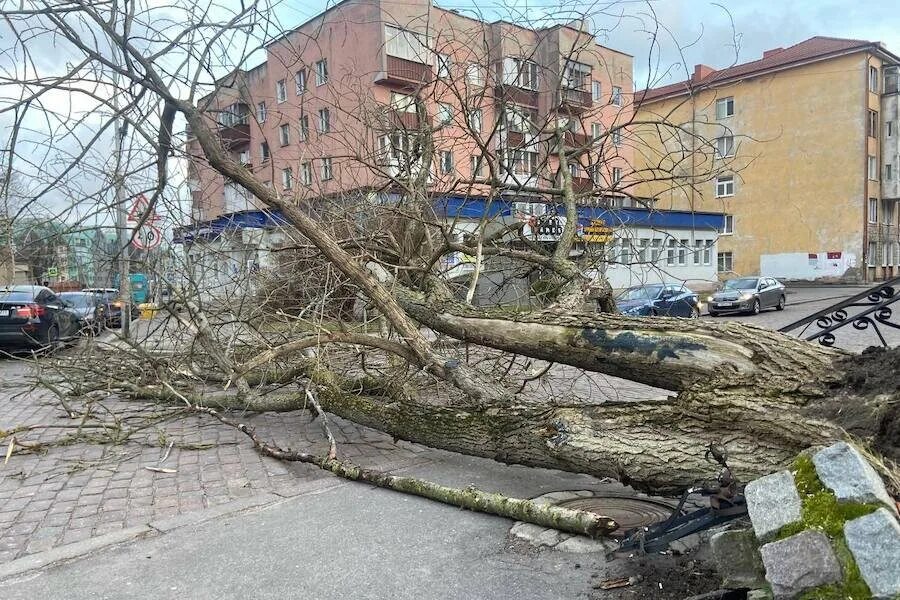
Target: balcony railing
(576, 140)
(516, 95)
(235, 136)
(582, 185)
(405, 73)
(575, 99)
(404, 120)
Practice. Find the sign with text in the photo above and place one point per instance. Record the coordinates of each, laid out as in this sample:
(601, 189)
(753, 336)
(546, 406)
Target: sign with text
(597, 232)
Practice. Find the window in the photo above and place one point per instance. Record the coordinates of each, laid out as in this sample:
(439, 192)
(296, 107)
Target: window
(476, 120)
(322, 72)
(324, 120)
(725, 262)
(280, 91)
(873, 168)
(724, 107)
(475, 75)
(442, 65)
(616, 175)
(596, 130)
(655, 249)
(261, 112)
(326, 169)
(873, 79)
(404, 44)
(284, 134)
(446, 162)
(287, 178)
(873, 124)
(725, 146)
(617, 137)
(670, 253)
(306, 173)
(445, 113)
(724, 186)
(887, 212)
(871, 254)
(707, 253)
(625, 256)
(520, 162)
(575, 75)
(698, 251)
(477, 165)
(520, 73)
(264, 151)
(574, 169)
(244, 157)
(727, 225)
(403, 103)
(597, 91)
(642, 249)
(682, 252)
(517, 119)
(888, 172)
(616, 96)
(300, 81)
(304, 128)
(873, 210)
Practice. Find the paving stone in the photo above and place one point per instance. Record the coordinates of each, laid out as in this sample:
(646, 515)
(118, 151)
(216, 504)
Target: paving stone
(737, 558)
(800, 562)
(843, 470)
(772, 502)
(874, 541)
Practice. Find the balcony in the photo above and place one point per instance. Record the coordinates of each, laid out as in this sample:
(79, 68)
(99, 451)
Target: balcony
(405, 74)
(235, 136)
(404, 120)
(575, 100)
(576, 140)
(582, 185)
(516, 95)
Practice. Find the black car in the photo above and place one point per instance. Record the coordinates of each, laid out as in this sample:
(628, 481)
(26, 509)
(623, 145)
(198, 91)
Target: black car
(90, 308)
(670, 300)
(112, 305)
(32, 316)
(747, 295)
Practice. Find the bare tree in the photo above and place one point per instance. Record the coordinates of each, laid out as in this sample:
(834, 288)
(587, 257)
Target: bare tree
(386, 250)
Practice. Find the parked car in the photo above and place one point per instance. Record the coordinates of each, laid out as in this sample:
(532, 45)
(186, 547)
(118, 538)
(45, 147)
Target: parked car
(747, 295)
(90, 308)
(112, 305)
(32, 316)
(671, 300)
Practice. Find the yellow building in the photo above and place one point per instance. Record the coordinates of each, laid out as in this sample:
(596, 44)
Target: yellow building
(800, 148)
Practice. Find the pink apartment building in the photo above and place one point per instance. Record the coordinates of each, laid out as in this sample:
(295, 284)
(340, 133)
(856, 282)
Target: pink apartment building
(333, 109)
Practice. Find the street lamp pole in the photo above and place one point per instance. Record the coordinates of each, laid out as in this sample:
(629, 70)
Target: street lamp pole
(124, 236)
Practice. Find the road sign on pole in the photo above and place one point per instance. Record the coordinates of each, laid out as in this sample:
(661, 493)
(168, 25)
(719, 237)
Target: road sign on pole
(148, 236)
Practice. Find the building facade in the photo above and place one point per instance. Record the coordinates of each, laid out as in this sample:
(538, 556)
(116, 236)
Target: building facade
(803, 148)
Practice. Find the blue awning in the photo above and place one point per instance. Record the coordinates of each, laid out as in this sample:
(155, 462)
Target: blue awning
(248, 219)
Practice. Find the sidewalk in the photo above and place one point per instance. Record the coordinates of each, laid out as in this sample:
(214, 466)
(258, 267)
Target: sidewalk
(348, 540)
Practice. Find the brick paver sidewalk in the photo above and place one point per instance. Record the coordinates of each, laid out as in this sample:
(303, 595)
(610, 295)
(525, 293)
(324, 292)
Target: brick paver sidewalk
(70, 493)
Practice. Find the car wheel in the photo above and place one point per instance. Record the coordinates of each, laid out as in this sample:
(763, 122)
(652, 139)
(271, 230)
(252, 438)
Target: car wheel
(781, 303)
(695, 312)
(653, 312)
(756, 307)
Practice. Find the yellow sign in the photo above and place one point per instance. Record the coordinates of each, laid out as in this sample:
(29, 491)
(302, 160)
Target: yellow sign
(597, 232)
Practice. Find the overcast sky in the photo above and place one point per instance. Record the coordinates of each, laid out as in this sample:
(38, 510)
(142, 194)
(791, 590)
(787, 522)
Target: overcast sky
(703, 25)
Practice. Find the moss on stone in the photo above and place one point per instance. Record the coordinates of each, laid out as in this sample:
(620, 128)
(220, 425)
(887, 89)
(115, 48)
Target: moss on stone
(821, 510)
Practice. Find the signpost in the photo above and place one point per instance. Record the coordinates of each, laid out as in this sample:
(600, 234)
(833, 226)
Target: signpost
(52, 272)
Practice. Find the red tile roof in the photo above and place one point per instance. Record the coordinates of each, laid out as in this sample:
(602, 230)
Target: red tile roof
(813, 48)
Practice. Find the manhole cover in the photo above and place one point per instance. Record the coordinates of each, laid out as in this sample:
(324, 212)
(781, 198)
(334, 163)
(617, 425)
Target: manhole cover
(627, 512)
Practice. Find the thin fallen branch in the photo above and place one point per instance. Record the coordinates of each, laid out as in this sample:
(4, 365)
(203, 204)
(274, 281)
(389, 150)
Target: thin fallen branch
(564, 519)
(320, 413)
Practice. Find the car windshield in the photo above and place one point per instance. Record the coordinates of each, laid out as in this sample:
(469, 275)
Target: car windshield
(744, 283)
(647, 292)
(16, 296)
(78, 300)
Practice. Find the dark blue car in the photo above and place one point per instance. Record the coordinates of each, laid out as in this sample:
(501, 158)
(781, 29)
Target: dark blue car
(668, 300)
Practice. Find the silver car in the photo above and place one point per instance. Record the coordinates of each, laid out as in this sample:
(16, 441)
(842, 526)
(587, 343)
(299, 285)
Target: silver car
(747, 295)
